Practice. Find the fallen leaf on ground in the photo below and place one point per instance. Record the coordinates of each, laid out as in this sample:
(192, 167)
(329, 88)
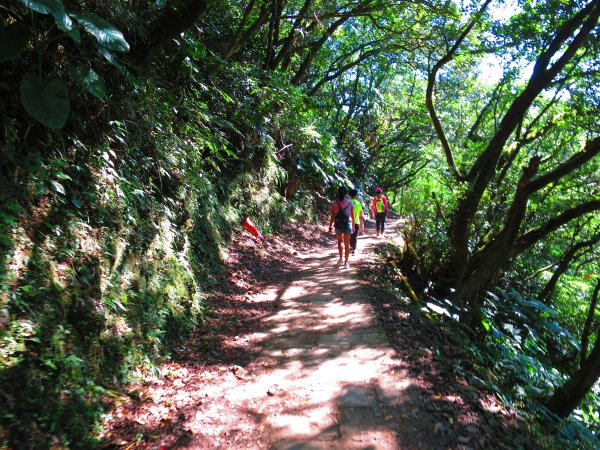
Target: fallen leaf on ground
(239, 372)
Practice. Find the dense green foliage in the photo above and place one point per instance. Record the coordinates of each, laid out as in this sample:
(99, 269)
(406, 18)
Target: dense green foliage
(135, 136)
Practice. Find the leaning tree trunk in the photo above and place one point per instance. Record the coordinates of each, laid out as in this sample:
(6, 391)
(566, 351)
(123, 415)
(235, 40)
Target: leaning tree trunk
(569, 395)
(548, 65)
(169, 25)
(572, 254)
(485, 264)
(587, 327)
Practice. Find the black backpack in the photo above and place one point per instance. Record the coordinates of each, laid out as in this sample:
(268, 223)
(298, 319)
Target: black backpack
(341, 218)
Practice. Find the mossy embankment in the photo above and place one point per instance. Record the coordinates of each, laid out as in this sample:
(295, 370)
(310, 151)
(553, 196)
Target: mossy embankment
(112, 229)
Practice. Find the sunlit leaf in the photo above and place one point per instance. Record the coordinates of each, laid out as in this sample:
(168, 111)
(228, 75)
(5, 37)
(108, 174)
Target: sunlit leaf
(50, 364)
(63, 21)
(54, 7)
(57, 187)
(106, 34)
(111, 59)
(44, 6)
(486, 325)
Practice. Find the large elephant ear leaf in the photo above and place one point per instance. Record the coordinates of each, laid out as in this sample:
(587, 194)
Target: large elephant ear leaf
(54, 7)
(44, 6)
(106, 35)
(13, 40)
(46, 100)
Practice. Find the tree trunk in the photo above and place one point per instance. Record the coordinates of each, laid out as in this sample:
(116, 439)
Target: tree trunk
(585, 334)
(546, 293)
(569, 395)
(313, 49)
(285, 51)
(482, 266)
(437, 125)
(485, 264)
(273, 35)
(531, 237)
(241, 35)
(565, 261)
(170, 25)
(572, 34)
(238, 34)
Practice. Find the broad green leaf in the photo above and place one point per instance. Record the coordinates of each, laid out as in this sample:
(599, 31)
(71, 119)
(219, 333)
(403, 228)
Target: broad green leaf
(13, 40)
(44, 6)
(58, 187)
(486, 325)
(54, 7)
(106, 35)
(112, 61)
(47, 101)
(50, 364)
(62, 176)
(89, 80)
(75, 35)
(63, 21)
(539, 306)
(73, 361)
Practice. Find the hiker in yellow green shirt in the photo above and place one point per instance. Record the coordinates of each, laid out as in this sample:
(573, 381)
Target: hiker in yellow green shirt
(359, 219)
(379, 208)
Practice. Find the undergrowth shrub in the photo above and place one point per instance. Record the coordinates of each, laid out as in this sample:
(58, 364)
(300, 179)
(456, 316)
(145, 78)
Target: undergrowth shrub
(112, 231)
(108, 243)
(513, 362)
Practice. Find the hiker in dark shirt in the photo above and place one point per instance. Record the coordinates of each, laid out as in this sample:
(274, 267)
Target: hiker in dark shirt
(342, 216)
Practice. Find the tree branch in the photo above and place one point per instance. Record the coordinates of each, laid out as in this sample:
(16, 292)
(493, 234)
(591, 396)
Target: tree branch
(587, 328)
(591, 149)
(533, 236)
(431, 78)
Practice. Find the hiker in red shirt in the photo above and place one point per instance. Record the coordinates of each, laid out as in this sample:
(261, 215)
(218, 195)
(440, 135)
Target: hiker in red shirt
(342, 216)
(379, 209)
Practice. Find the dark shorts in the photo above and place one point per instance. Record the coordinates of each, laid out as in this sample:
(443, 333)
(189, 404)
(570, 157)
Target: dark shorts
(348, 229)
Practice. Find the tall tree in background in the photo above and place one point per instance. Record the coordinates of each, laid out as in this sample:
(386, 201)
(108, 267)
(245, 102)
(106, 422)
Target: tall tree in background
(476, 260)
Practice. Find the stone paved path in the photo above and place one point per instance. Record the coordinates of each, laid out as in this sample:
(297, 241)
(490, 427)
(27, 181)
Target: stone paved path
(329, 378)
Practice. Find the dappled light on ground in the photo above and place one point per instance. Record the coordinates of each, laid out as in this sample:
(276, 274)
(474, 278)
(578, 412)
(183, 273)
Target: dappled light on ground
(326, 375)
(303, 363)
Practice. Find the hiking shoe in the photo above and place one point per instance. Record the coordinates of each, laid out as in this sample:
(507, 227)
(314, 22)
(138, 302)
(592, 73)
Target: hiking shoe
(347, 266)
(340, 262)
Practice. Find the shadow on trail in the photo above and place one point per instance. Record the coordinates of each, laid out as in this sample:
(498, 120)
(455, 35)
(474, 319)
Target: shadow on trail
(315, 370)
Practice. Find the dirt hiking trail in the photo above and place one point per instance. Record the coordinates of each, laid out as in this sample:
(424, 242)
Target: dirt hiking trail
(328, 376)
(313, 370)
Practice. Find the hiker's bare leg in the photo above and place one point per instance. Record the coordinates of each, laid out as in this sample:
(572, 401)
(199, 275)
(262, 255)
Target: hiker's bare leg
(339, 239)
(346, 246)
